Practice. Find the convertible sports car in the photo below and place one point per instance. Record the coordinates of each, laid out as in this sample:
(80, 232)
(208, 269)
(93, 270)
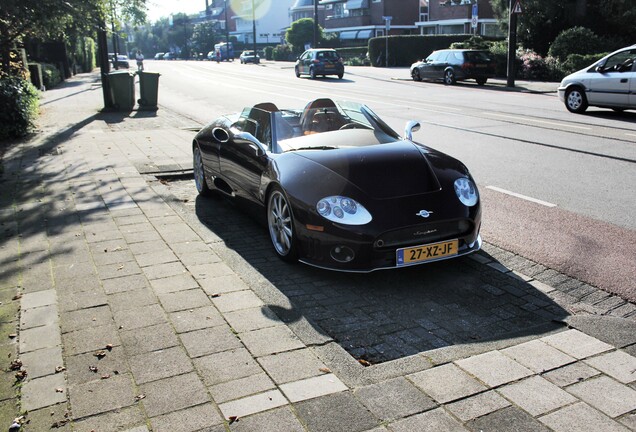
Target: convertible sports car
(339, 188)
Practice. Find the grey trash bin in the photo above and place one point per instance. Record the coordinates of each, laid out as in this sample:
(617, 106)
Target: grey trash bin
(148, 89)
(122, 90)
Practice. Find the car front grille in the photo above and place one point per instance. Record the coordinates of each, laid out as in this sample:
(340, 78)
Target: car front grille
(423, 233)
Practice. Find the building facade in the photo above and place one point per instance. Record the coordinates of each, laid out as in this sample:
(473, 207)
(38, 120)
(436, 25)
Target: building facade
(456, 17)
(272, 18)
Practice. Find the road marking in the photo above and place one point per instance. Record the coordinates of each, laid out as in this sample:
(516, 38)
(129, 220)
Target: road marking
(527, 198)
(539, 121)
(628, 134)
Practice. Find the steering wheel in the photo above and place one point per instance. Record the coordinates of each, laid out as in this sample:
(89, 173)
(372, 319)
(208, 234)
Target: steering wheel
(351, 126)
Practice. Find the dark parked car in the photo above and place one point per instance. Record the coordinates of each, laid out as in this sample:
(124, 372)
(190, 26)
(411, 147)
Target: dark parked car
(249, 57)
(338, 188)
(120, 62)
(314, 62)
(452, 65)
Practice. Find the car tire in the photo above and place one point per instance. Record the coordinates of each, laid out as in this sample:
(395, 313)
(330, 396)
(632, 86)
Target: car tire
(297, 72)
(340, 76)
(280, 224)
(618, 110)
(575, 100)
(415, 74)
(449, 77)
(481, 81)
(312, 73)
(199, 172)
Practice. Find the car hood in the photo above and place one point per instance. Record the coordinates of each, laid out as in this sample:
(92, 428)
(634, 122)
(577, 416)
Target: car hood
(382, 171)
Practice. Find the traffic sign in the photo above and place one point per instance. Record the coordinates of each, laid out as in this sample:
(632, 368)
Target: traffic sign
(475, 17)
(517, 8)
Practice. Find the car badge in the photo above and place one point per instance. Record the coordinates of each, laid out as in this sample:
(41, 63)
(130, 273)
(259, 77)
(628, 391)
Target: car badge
(424, 213)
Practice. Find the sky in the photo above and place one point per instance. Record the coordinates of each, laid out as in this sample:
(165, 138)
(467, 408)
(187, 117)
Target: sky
(162, 8)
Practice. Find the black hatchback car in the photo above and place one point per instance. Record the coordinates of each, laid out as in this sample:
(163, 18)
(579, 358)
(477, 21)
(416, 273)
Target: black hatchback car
(314, 62)
(452, 65)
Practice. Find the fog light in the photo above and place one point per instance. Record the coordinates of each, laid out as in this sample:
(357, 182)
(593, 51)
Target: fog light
(342, 254)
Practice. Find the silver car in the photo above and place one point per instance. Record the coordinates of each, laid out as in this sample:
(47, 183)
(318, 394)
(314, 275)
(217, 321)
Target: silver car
(608, 83)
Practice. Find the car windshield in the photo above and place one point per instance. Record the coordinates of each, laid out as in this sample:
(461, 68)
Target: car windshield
(327, 55)
(322, 125)
(248, 53)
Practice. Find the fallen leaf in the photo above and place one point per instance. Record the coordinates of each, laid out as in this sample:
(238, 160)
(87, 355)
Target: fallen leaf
(121, 267)
(59, 424)
(140, 397)
(59, 390)
(325, 370)
(109, 347)
(59, 369)
(215, 295)
(100, 354)
(364, 362)
(15, 365)
(17, 297)
(233, 419)
(93, 369)
(20, 375)
(105, 376)
(13, 336)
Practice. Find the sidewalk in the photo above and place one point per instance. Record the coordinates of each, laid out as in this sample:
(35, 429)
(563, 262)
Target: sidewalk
(134, 316)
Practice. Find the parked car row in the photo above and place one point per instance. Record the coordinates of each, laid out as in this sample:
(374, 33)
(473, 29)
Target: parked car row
(165, 56)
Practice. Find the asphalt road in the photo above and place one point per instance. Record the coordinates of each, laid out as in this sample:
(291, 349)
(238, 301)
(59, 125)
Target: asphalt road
(557, 188)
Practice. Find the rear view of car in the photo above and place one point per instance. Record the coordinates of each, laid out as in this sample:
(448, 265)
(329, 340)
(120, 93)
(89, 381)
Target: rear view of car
(249, 57)
(323, 62)
(454, 65)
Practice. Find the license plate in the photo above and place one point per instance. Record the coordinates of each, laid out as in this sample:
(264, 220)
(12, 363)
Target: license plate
(423, 253)
(482, 66)
(329, 66)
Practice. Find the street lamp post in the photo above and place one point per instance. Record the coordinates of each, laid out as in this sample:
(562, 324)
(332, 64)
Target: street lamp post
(227, 30)
(315, 24)
(254, 26)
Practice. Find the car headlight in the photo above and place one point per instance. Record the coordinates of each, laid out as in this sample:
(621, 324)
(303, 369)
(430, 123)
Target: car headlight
(343, 210)
(466, 191)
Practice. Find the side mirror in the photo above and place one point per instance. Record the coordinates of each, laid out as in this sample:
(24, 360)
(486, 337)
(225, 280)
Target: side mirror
(411, 126)
(250, 140)
(220, 134)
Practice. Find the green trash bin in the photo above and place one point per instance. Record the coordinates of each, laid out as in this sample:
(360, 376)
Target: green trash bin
(122, 90)
(148, 89)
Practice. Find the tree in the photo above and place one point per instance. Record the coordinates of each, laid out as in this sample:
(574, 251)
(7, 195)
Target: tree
(301, 32)
(204, 36)
(541, 21)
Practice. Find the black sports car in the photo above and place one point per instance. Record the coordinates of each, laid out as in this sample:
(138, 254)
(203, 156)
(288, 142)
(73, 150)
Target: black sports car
(341, 190)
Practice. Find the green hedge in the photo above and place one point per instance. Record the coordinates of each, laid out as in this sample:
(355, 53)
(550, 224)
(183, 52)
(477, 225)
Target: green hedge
(575, 62)
(18, 107)
(50, 75)
(405, 50)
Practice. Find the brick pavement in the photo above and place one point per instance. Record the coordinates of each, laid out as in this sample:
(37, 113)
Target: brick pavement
(137, 314)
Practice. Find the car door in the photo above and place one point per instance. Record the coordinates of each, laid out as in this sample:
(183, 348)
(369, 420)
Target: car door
(439, 65)
(242, 162)
(426, 66)
(304, 62)
(612, 83)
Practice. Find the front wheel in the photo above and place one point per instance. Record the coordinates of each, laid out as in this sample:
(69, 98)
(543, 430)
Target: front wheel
(481, 81)
(449, 77)
(312, 73)
(297, 72)
(199, 173)
(280, 223)
(575, 100)
(415, 74)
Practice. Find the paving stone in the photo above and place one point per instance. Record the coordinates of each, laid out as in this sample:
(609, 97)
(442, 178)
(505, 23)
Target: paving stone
(312, 387)
(210, 271)
(617, 364)
(82, 300)
(477, 406)
(276, 420)
(197, 418)
(82, 284)
(494, 368)
(241, 388)
(39, 338)
(580, 417)
(606, 395)
(209, 341)
(270, 340)
(157, 257)
(38, 317)
(203, 257)
(42, 362)
(38, 299)
(510, 419)
(336, 412)
(131, 299)
(182, 300)
(78, 367)
(90, 339)
(148, 339)
(141, 236)
(238, 300)
(173, 394)
(544, 288)
(246, 320)
(222, 284)
(570, 374)
(111, 271)
(145, 316)
(577, 344)
(104, 258)
(253, 404)
(96, 397)
(161, 271)
(629, 420)
(436, 420)
(125, 284)
(147, 247)
(394, 399)
(85, 318)
(446, 383)
(170, 284)
(538, 356)
(196, 319)
(226, 366)
(292, 366)
(43, 392)
(42, 419)
(115, 421)
(536, 395)
(160, 364)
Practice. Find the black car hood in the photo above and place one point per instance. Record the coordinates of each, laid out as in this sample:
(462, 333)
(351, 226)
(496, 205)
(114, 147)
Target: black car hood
(382, 171)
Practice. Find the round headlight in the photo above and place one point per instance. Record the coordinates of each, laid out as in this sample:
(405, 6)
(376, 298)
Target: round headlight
(466, 191)
(343, 210)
